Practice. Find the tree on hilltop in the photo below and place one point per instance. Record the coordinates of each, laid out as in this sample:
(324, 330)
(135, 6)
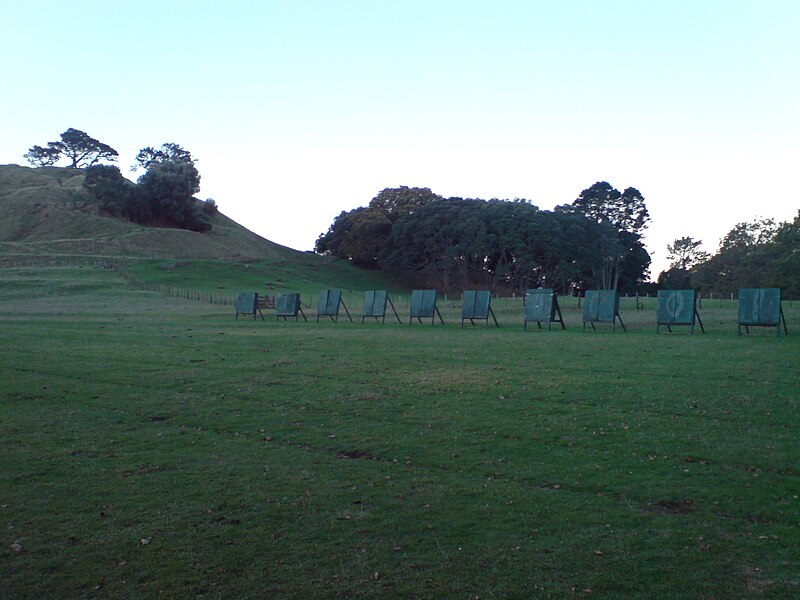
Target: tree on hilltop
(40, 156)
(78, 147)
(163, 194)
(117, 195)
(169, 187)
(169, 151)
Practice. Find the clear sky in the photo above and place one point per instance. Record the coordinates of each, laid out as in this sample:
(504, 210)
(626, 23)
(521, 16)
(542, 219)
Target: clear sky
(297, 110)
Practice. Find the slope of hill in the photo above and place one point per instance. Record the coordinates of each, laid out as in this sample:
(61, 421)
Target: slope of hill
(46, 212)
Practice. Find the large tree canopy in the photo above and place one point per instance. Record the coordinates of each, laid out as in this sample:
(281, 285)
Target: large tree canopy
(359, 234)
(169, 189)
(750, 255)
(626, 211)
(79, 148)
(625, 264)
(455, 243)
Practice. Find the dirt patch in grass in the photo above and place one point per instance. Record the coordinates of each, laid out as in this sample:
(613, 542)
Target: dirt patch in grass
(673, 507)
(755, 581)
(158, 418)
(356, 454)
(449, 378)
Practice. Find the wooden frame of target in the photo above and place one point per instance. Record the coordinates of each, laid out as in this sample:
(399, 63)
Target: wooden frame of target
(601, 306)
(477, 305)
(288, 306)
(375, 302)
(677, 307)
(329, 303)
(761, 307)
(541, 304)
(423, 306)
(246, 303)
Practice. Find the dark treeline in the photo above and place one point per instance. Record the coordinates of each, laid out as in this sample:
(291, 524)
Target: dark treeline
(456, 243)
(760, 253)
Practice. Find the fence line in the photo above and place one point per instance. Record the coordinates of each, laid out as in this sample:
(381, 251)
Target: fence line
(170, 290)
(120, 267)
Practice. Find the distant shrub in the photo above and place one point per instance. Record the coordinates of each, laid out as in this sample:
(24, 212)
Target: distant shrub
(210, 207)
(163, 195)
(114, 193)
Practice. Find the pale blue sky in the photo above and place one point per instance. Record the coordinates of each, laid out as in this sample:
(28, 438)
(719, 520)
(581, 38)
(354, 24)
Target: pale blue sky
(298, 110)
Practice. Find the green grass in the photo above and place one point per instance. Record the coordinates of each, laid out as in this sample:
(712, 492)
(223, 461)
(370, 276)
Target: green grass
(299, 272)
(156, 447)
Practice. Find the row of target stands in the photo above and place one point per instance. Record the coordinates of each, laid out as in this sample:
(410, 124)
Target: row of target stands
(758, 307)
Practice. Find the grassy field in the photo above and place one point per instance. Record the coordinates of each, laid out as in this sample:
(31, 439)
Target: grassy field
(299, 272)
(156, 447)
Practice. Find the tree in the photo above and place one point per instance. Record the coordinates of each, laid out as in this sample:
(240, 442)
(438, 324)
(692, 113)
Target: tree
(674, 279)
(43, 157)
(396, 202)
(168, 187)
(454, 243)
(76, 146)
(359, 234)
(748, 235)
(210, 207)
(116, 194)
(783, 253)
(428, 243)
(626, 211)
(150, 156)
(626, 263)
(368, 229)
(743, 258)
(685, 253)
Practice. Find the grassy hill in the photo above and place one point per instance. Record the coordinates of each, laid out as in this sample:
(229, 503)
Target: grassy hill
(46, 212)
(46, 215)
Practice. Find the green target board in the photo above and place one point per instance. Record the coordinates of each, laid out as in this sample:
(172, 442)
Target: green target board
(375, 303)
(677, 307)
(246, 303)
(477, 304)
(541, 306)
(760, 307)
(601, 306)
(423, 306)
(287, 306)
(329, 303)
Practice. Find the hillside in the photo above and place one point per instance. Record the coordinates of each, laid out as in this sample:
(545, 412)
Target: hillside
(46, 212)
